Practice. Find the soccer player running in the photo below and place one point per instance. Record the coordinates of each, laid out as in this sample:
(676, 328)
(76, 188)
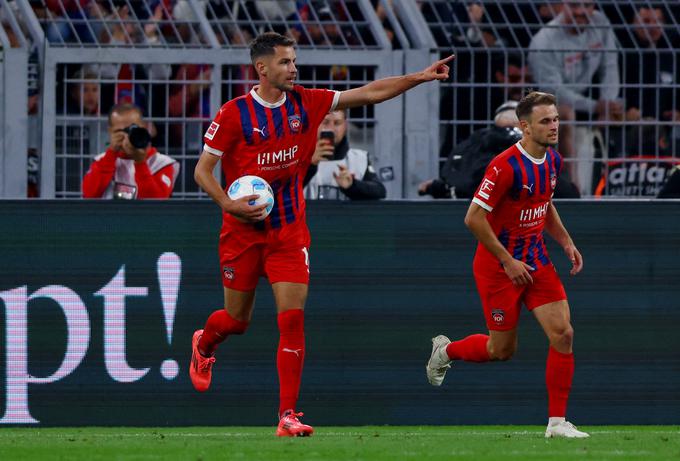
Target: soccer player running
(512, 206)
(271, 132)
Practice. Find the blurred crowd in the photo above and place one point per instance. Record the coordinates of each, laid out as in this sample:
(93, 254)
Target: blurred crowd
(615, 66)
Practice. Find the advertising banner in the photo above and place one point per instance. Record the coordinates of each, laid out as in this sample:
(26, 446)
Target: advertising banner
(99, 300)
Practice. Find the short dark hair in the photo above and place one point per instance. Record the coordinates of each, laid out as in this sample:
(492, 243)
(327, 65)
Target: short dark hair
(264, 44)
(532, 99)
(123, 108)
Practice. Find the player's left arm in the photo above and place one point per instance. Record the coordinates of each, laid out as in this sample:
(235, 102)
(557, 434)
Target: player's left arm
(387, 88)
(555, 228)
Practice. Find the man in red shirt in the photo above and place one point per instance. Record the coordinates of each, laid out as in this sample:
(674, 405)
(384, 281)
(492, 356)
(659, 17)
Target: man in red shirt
(125, 171)
(271, 132)
(512, 206)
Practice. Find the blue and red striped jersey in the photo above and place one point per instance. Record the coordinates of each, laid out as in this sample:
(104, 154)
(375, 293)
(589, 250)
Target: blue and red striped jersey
(273, 141)
(516, 191)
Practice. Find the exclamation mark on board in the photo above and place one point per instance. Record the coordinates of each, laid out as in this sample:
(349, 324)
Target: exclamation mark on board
(169, 268)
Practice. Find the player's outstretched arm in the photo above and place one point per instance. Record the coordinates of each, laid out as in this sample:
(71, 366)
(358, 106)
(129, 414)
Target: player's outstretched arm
(203, 174)
(387, 88)
(555, 228)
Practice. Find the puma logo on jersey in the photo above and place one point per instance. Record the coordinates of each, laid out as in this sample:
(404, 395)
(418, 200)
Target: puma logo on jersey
(496, 170)
(529, 187)
(261, 131)
(294, 351)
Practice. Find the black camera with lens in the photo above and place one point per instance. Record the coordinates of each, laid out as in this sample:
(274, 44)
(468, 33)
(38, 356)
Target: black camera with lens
(139, 136)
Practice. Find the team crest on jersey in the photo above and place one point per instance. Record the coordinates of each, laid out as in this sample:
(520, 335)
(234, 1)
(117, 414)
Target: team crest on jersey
(228, 272)
(498, 316)
(294, 123)
(553, 181)
(212, 130)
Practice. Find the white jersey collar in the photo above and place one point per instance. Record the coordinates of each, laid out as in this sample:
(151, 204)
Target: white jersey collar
(535, 160)
(264, 103)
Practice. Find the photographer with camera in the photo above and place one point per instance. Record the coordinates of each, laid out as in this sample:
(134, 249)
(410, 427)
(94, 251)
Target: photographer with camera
(337, 171)
(130, 168)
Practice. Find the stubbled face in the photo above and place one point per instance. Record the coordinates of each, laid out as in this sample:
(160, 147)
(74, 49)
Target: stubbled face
(648, 22)
(578, 12)
(542, 126)
(279, 69)
(335, 122)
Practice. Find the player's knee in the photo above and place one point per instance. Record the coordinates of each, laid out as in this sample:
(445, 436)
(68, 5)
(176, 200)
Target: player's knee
(564, 337)
(502, 352)
(291, 321)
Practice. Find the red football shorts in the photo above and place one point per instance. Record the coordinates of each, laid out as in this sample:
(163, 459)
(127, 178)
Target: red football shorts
(246, 254)
(502, 301)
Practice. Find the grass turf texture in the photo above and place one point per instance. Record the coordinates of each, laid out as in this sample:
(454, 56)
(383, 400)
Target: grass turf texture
(368, 443)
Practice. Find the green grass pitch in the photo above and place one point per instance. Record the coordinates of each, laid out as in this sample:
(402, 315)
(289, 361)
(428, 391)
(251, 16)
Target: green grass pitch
(369, 443)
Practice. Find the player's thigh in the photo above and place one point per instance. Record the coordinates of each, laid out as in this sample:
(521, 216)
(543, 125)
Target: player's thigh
(547, 299)
(239, 304)
(287, 264)
(241, 267)
(289, 295)
(501, 300)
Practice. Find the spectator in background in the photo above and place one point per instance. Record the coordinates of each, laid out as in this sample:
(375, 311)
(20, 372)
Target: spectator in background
(465, 167)
(318, 26)
(86, 101)
(381, 8)
(84, 94)
(338, 171)
(66, 20)
(512, 71)
(572, 57)
(122, 30)
(190, 86)
(547, 11)
(467, 29)
(130, 168)
(653, 62)
(509, 75)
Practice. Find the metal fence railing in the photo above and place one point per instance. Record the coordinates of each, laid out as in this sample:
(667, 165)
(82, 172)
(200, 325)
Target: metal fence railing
(612, 63)
(14, 104)
(616, 72)
(179, 61)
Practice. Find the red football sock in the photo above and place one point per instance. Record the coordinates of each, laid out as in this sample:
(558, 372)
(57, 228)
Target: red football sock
(559, 372)
(290, 357)
(470, 349)
(219, 325)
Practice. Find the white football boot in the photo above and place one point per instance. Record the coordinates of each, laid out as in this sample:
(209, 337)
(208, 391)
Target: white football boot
(439, 361)
(564, 429)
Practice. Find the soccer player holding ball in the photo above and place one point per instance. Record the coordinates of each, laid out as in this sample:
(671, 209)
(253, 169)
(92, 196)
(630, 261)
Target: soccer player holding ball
(509, 211)
(271, 133)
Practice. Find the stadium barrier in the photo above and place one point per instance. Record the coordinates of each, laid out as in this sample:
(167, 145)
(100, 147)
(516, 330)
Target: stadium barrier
(98, 302)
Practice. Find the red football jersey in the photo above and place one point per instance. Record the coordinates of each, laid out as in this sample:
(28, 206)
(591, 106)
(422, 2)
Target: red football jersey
(516, 191)
(273, 141)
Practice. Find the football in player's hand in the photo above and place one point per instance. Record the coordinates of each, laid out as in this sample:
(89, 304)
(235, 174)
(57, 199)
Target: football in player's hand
(253, 185)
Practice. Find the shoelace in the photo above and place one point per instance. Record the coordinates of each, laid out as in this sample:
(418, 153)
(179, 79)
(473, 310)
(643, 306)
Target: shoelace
(205, 364)
(294, 416)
